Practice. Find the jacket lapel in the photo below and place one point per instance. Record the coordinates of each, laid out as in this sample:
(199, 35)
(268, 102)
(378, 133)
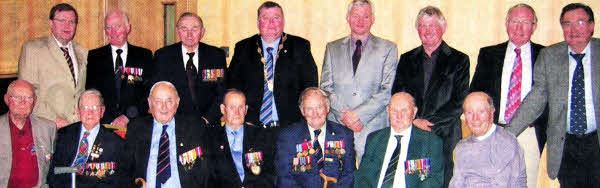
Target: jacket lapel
(595, 45)
(562, 65)
(180, 134)
(145, 139)
(58, 56)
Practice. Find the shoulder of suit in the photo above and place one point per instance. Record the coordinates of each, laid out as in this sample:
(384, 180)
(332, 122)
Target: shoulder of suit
(339, 128)
(109, 134)
(382, 41)
(99, 50)
(210, 48)
(412, 52)
(69, 128)
(38, 42)
(40, 121)
(556, 47)
(78, 47)
(338, 42)
(295, 39)
(173, 48)
(501, 46)
(429, 136)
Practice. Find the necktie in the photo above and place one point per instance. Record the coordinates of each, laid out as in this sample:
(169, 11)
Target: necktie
(69, 63)
(163, 166)
(266, 109)
(82, 154)
(356, 55)
(118, 73)
(236, 153)
(388, 180)
(192, 73)
(317, 147)
(578, 122)
(514, 88)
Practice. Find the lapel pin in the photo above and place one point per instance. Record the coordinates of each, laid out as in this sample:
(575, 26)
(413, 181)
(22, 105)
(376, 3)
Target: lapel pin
(181, 144)
(221, 147)
(284, 51)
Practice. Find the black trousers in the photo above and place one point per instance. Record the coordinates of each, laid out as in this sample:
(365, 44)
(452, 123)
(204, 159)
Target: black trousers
(580, 165)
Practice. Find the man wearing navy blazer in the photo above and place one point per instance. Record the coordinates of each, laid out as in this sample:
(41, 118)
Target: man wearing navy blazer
(377, 167)
(196, 69)
(437, 76)
(124, 91)
(102, 147)
(294, 70)
(184, 159)
(315, 148)
(245, 152)
(497, 65)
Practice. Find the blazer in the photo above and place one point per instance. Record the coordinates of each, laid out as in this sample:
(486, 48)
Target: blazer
(44, 132)
(133, 95)
(422, 144)
(551, 86)
(67, 145)
(43, 64)
(297, 133)
(189, 134)
(210, 85)
(488, 78)
(295, 70)
(448, 86)
(368, 90)
(255, 140)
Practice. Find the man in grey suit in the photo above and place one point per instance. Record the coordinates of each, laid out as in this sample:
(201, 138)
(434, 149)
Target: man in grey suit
(26, 141)
(565, 79)
(358, 71)
(56, 67)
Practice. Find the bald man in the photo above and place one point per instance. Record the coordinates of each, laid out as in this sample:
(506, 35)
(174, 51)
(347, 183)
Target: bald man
(26, 140)
(391, 153)
(166, 150)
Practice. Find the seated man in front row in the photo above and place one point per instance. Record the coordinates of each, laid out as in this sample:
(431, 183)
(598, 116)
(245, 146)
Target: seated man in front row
(491, 157)
(166, 150)
(245, 152)
(88, 146)
(417, 161)
(316, 149)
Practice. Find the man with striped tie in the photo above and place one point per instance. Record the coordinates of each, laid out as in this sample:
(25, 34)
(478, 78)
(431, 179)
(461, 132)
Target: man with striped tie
(400, 155)
(166, 150)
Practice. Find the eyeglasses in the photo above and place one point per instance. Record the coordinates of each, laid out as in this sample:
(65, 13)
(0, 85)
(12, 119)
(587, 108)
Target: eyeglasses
(22, 98)
(576, 23)
(63, 21)
(90, 108)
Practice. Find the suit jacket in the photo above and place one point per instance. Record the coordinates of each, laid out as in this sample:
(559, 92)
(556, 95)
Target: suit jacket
(133, 96)
(448, 86)
(368, 90)
(297, 133)
(551, 86)
(210, 85)
(44, 132)
(67, 143)
(255, 140)
(43, 64)
(488, 78)
(189, 134)
(421, 145)
(295, 70)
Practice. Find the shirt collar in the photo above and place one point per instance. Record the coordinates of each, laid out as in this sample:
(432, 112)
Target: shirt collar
(585, 51)
(93, 131)
(405, 133)
(185, 51)
(60, 45)
(114, 48)
(170, 123)
(274, 45)
(524, 47)
(487, 134)
(229, 131)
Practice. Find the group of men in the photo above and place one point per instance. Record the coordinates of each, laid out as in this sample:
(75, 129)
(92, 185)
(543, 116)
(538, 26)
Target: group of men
(373, 122)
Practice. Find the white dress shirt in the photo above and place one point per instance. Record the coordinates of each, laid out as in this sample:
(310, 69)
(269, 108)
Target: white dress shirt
(72, 54)
(113, 49)
(184, 52)
(526, 78)
(321, 136)
(399, 179)
(587, 77)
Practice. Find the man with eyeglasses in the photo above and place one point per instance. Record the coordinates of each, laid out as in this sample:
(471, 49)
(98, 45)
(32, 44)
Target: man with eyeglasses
(88, 146)
(26, 140)
(56, 67)
(565, 79)
(119, 71)
(166, 150)
(196, 69)
(505, 72)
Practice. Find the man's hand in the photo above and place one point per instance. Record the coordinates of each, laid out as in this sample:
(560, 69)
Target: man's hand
(351, 120)
(121, 121)
(60, 123)
(423, 124)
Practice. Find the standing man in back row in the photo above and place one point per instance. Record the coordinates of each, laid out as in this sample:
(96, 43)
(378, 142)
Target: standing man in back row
(358, 71)
(272, 68)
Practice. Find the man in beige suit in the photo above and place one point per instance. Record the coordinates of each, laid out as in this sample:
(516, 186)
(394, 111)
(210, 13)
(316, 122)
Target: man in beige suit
(26, 141)
(56, 67)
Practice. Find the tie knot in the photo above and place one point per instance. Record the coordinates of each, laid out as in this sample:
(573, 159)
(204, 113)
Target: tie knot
(119, 51)
(64, 49)
(269, 49)
(358, 43)
(86, 134)
(317, 132)
(398, 137)
(191, 54)
(518, 51)
(578, 57)
(234, 133)
(165, 127)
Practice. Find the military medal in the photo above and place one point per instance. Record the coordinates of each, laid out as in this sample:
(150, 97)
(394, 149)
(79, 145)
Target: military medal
(188, 159)
(295, 162)
(254, 160)
(302, 164)
(308, 162)
(130, 79)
